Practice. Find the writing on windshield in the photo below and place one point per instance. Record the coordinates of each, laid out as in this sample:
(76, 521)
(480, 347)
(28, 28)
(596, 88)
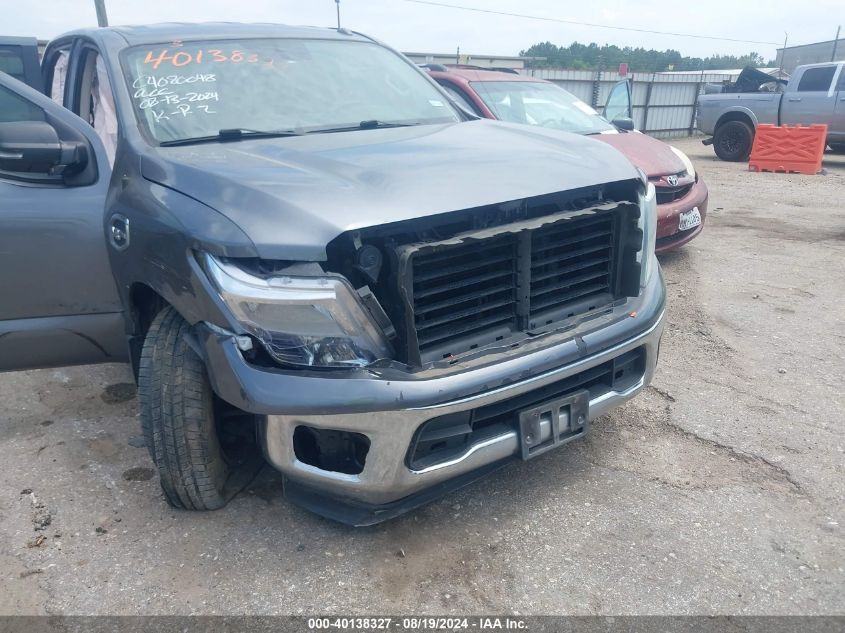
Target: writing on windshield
(175, 95)
(198, 88)
(180, 58)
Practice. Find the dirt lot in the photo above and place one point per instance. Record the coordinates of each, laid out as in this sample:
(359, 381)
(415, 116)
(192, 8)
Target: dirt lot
(718, 490)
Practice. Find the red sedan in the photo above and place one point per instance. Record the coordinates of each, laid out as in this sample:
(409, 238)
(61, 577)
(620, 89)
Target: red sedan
(681, 193)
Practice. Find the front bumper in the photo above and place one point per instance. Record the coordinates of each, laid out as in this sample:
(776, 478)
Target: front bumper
(668, 218)
(389, 410)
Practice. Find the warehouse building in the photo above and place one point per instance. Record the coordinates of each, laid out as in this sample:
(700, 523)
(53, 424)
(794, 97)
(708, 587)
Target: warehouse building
(513, 62)
(792, 56)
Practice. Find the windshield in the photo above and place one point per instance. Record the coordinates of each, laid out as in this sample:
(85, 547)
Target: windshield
(196, 89)
(542, 104)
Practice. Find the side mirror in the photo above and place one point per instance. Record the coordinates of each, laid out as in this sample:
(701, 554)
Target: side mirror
(32, 151)
(624, 123)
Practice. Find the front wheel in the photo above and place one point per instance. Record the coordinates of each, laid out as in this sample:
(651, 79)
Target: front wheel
(837, 148)
(733, 141)
(180, 418)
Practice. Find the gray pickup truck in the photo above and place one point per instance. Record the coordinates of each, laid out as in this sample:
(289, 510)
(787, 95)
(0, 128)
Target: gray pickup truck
(309, 254)
(815, 94)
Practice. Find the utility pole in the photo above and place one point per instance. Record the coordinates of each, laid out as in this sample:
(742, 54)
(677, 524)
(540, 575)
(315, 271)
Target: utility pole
(102, 18)
(835, 42)
(337, 3)
(783, 54)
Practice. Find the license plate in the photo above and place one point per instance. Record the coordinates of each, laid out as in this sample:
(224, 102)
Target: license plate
(553, 423)
(690, 219)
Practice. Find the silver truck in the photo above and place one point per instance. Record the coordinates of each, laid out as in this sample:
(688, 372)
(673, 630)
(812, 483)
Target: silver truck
(814, 94)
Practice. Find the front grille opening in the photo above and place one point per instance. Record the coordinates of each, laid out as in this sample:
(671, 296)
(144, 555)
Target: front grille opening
(460, 292)
(448, 437)
(331, 450)
(458, 283)
(570, 262)
(469, 292)
(665, 195)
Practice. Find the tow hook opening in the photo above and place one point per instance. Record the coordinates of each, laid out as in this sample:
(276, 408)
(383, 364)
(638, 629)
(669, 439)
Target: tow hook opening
(331, 450)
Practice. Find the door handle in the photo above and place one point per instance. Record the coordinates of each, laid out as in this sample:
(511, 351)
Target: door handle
(794, 99)
(119, 232)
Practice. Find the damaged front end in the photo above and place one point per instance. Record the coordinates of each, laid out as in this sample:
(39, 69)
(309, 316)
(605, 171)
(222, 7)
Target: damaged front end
(460, 285)
(482, 335)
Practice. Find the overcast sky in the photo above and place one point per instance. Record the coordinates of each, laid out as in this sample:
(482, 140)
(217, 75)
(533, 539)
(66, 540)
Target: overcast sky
(415, 27)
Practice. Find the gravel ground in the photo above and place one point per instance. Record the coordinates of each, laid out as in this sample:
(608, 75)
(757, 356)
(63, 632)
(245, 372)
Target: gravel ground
(718, 490)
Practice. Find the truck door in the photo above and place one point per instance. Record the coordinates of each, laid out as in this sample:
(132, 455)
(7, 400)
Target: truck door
(618, 108)
(813, 100)
(59, 301)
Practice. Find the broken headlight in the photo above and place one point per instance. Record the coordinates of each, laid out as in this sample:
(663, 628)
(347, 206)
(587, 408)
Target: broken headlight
(302, 321)
(648, 225)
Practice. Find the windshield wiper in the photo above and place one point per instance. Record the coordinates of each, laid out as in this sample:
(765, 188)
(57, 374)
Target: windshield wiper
(372, 124)
(231, 134)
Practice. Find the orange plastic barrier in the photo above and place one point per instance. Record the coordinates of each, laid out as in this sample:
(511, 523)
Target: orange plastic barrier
(788, 149)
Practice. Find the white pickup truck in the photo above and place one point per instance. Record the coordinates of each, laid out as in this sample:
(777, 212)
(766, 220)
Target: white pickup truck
(814, 94)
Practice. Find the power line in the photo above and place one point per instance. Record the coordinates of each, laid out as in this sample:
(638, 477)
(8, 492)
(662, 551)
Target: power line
(600, 26)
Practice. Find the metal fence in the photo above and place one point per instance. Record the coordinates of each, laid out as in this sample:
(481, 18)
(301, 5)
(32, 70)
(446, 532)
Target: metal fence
(664, 104)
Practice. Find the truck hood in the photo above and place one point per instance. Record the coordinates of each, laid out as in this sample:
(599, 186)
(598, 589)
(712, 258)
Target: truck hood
(654, 157)
(292, 196)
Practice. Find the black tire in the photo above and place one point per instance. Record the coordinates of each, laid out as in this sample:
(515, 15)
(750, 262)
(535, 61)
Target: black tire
(733, 140)
(837, 148)
(178, 418)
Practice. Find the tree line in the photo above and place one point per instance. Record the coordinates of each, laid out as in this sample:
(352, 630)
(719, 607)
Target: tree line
(592, 56)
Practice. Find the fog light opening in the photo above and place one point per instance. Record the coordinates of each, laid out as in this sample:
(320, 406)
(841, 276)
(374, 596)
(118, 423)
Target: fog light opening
(331, 450)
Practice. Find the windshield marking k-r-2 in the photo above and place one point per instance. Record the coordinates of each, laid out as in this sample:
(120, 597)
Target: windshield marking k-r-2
(165, 96)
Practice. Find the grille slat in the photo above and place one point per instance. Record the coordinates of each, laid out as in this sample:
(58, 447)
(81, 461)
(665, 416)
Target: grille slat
(462, 283)
(427, 308)
(441, 335)
(580, 224)
(568, 297)
(472, 293)
(470, 249)
(452, 316)
(578, 239)
(570, 255)
(462, 268)
(582, 265)
(568, 283)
